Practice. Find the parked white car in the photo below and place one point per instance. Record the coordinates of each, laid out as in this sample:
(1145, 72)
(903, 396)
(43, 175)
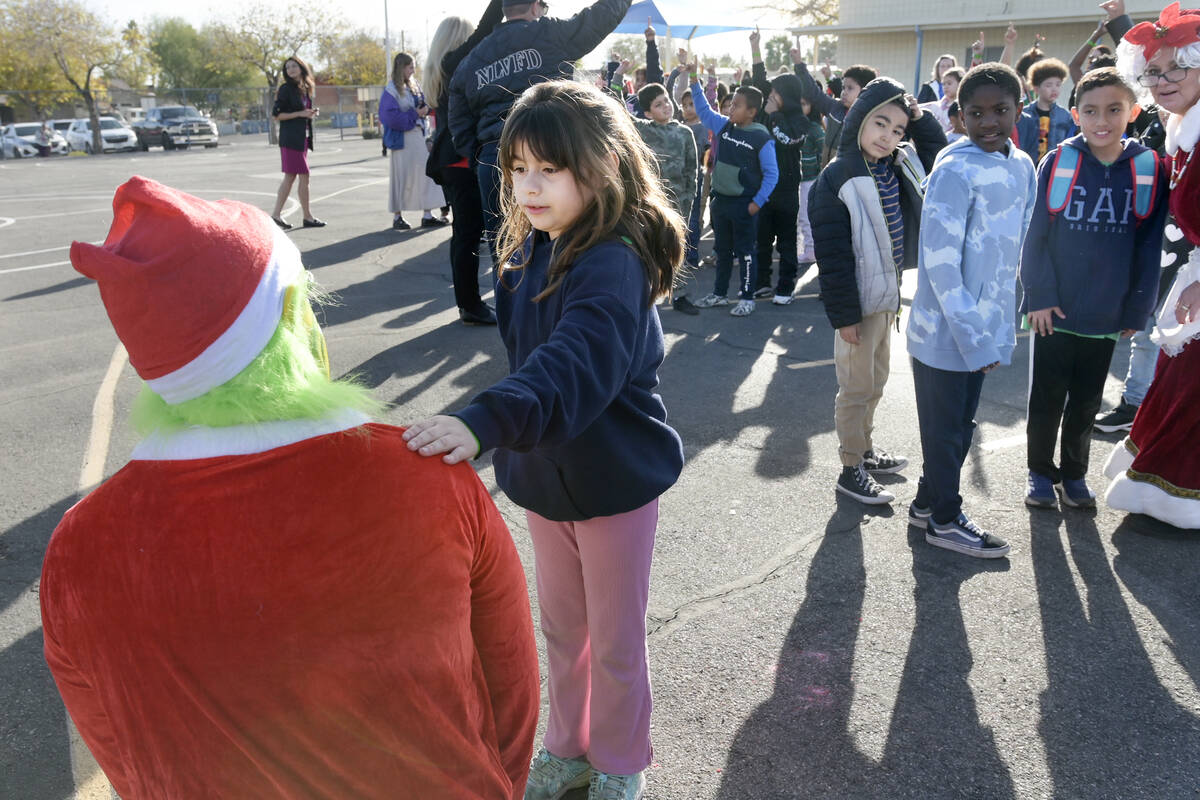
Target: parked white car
(115, 134)
(20, 140)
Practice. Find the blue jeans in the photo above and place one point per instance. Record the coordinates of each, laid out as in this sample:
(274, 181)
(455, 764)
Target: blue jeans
(1143, 356)
(735, 235)
(946, 405)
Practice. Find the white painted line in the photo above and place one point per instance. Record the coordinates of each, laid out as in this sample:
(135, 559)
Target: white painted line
(102, 417)
(809, 364)
(35, 266)
(34, 252)
(1003, 444)
(6, 221)
(90, 783)
(68, 213)
(349, 189)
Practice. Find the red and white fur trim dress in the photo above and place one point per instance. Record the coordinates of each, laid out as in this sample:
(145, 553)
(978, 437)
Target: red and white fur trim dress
(1156, 469)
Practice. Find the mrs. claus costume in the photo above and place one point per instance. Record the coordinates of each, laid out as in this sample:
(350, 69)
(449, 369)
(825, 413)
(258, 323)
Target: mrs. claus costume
(275, 597)
(1156, 469)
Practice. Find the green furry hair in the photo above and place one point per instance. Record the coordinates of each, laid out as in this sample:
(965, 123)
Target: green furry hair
(289, 379)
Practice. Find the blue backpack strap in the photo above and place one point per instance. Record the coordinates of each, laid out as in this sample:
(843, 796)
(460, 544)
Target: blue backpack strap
(1063, 174)
(1145, 182)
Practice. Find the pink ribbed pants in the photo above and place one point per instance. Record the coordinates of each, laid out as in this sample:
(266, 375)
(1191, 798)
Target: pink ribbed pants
(593, 582)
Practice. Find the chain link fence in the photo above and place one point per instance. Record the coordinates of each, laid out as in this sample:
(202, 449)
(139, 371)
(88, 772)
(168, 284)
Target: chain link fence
(350, 110)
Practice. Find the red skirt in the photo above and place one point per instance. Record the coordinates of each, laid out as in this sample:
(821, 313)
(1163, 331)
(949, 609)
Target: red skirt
(1159, 471)
(295, 162)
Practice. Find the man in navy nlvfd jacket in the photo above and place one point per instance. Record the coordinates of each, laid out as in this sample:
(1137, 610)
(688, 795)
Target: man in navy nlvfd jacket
(525, 49)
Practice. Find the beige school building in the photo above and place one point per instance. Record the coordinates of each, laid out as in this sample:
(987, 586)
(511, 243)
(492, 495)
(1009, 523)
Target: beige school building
(903, 38)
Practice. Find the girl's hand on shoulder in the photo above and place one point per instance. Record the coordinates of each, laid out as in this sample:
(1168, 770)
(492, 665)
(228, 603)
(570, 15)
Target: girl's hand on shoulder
(442, 434)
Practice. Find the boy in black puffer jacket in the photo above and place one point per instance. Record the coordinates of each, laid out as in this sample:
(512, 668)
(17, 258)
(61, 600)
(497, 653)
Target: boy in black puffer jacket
(783, 117)
(865, 210)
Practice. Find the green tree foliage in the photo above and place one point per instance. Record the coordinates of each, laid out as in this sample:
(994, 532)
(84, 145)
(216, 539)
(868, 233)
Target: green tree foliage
(81, 44)
(775, 53)
(31, 72)
(136, 65)
(262, 39)
(187, 58)
(355, 59)
(632, 48)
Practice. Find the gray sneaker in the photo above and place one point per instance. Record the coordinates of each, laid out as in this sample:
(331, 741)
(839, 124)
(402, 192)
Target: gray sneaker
(712, 301)
(551, 777)
(616, 787)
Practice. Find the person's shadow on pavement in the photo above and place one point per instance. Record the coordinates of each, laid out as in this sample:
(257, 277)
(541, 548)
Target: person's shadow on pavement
(799, 743)
(1109, 725)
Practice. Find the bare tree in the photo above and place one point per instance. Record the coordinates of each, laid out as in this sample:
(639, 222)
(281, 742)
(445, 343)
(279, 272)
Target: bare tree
(80, 43)
(806, 12)
(263, 38)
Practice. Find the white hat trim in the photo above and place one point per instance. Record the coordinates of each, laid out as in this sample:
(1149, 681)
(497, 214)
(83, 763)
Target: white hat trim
(242, 341)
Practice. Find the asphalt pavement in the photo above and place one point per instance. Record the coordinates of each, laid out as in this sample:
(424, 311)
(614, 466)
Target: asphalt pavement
(801, 645)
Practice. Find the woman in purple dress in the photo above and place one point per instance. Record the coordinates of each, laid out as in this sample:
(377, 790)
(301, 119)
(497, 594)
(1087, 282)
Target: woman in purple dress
(294, 111)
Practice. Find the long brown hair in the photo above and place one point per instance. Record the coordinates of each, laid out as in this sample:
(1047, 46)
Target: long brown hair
(306, 84)
(401, 61)
(578, 128)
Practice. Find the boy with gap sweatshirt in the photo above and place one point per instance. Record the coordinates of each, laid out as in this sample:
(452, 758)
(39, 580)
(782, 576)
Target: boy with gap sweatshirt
(1090, 272)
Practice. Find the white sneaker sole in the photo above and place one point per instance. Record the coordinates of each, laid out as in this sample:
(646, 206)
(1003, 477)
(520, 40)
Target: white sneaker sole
(994, 552)
(781, 299)
(881, 499)
(1067, 501)
(918, 522)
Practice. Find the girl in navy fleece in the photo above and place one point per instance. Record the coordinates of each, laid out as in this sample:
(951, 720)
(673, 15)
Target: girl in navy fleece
(589, 242)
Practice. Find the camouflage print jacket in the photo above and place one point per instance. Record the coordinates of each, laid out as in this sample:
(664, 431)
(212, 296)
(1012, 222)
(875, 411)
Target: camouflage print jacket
(674, 147)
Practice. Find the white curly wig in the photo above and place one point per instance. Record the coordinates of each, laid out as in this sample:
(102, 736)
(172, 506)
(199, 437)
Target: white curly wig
(1131, 63)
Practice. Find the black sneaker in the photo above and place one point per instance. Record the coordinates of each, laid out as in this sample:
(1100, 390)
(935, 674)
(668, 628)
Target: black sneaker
(1119, 419)
(883, 462)
(400, 224)
(484, 316)
(287, 226)
(434, 222)
(314, 223)
(684, 306)
(764, 293)
(856, 482)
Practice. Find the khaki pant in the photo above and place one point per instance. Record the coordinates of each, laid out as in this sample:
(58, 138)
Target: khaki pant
(862, 370)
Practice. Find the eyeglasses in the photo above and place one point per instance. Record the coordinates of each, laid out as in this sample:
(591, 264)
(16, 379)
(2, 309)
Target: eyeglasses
(1151, 79)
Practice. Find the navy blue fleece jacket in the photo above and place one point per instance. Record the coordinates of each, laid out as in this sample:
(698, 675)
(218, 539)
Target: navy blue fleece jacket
(1095, 260)
(579, 429)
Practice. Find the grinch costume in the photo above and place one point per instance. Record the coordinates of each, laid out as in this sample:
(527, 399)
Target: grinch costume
(275, 597)
(1156, 469)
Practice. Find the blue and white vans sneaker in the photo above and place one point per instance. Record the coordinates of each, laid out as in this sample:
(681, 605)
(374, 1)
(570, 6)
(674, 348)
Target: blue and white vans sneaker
(964, 536)
(1076, 494)
(551, 777)
(918, 516)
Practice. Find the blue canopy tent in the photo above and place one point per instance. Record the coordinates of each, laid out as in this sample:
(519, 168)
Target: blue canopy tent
(675, 22)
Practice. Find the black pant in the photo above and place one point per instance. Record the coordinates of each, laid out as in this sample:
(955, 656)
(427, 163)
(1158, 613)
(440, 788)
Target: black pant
(733, 239)
(777, 228)
(946, 405)
(1068, 383)
(462, 191)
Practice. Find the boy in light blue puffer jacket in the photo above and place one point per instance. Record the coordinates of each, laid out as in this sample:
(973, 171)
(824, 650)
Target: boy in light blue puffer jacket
(978, 202)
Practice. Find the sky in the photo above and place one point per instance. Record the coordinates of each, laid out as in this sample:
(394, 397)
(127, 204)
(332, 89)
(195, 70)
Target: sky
(369, 14)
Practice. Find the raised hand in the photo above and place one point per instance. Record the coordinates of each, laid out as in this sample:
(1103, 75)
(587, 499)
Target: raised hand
(681, 57)
(1113, 8)
(977, 46)
(755, 38)
(827, 70)
(624, 66)
(1010, 35)
(797, 56)
(914, 108)
(649, 29)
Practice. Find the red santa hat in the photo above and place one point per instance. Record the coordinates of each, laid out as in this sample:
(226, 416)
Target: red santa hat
(194, 288)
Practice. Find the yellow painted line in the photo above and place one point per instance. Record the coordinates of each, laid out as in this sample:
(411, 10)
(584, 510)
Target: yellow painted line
(89, 780)
(828, 362)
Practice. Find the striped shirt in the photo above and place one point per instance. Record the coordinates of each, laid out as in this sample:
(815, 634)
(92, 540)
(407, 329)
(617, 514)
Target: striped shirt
(889, 198)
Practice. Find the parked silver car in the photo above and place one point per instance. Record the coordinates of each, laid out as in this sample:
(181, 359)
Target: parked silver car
(113, 132)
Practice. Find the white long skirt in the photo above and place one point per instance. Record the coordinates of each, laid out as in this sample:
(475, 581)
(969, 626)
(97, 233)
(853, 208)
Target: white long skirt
(410, 189)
